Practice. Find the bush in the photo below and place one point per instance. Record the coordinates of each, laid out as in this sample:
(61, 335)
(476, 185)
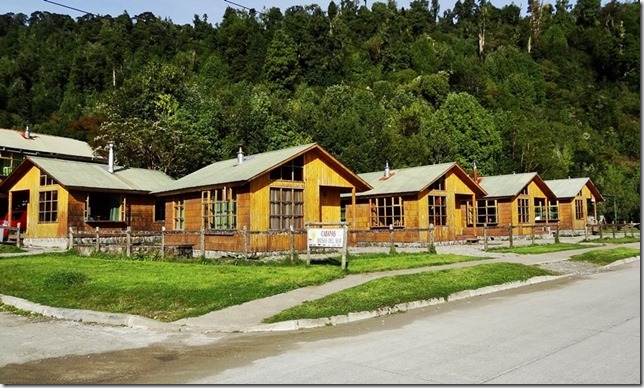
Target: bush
(65, 279)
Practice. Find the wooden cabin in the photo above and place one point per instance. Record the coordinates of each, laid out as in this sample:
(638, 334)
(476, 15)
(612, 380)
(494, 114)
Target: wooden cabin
(520, 200)
(250, 203)
(577, 199)
(408, 200)
(16, 145)
(59, 194)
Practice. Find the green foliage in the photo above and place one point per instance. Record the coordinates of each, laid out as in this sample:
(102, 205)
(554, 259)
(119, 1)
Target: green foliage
(370, 83)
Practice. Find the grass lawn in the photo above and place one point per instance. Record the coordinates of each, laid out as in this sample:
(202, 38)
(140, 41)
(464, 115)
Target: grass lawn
(384, 262)
(4, 248)
(389, 291)
(539, 248)
(606, 256)
(610, 240)
(168, 291)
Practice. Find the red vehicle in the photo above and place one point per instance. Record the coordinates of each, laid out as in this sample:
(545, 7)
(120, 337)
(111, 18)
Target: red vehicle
(18, 215)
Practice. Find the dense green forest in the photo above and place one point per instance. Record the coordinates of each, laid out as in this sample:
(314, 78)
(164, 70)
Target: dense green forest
(556, 91)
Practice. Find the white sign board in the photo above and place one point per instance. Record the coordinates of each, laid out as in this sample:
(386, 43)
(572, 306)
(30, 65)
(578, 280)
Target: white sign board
(326, 238)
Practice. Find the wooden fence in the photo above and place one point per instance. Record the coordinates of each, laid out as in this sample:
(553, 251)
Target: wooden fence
(12, 233)
(250, 243)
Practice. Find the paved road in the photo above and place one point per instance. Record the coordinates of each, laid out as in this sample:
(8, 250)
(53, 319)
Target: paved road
(584, 332)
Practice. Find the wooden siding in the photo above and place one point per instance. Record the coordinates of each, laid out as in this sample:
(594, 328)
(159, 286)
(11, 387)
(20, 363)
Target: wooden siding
(35, 229)
(416, 213)
(139, 213)
(567, 210)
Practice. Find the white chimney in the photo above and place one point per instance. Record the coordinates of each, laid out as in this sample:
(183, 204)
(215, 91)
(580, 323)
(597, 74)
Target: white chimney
(27, 133)
(387, 171)
(240, 156)
(110, 159)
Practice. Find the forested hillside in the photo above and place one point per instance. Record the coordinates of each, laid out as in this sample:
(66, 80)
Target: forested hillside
(556, 91)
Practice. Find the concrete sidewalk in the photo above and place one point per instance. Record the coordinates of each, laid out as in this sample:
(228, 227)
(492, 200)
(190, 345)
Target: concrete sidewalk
(248, 316)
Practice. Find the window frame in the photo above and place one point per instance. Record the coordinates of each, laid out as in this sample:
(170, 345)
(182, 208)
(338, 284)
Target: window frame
(219, 208)
(292, 170)
(437, 213)
(484, 211)
(523, 210)
(286, 208)
(179, 213)
(552, 206)
(579, 209)
(159, 208)
(386, 211)
(122, 206)
(48, 214)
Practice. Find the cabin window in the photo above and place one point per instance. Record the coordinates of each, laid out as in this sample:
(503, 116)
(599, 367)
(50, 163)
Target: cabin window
(553, 211)
(524, 191)
(293, 170)
(343, 211)
(159, 209)
(178, 211)
(48, 206)
(286, 208)
(438, 210)
(540, 209)
(46, 180)
(486, 212)
(8, 162)
(579, 209)
(524, 210)
(104, 207)
(387, 211)
(219, 208)
(439, 184)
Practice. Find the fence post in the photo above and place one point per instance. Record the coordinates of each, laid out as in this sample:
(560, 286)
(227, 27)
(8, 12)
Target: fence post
(392, 249)
(625, 229)
(162, 242)
(586, 231)
(601, 232)
(292, 240)
(128, 241)
(557, 234)
(308, 248)
(345, 232)
(511, 242)
(98, 243)
(614, 227)
(18, 236)
(485, 237)
(431, 238)
(202, 241)
(245, 236)
(70, 244)
(532, 233)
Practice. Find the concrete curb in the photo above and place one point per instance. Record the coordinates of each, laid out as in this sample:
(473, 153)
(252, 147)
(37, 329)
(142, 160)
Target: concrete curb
(402, 307)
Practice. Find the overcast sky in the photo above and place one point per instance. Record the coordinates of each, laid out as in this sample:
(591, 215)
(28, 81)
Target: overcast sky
(183, 11)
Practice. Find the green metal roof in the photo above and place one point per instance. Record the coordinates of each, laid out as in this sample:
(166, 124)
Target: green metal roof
(506, 185)
(87, 175)
(566, 188)
(229, 171)
(569, 188)
(403, 180)
(44, 144)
